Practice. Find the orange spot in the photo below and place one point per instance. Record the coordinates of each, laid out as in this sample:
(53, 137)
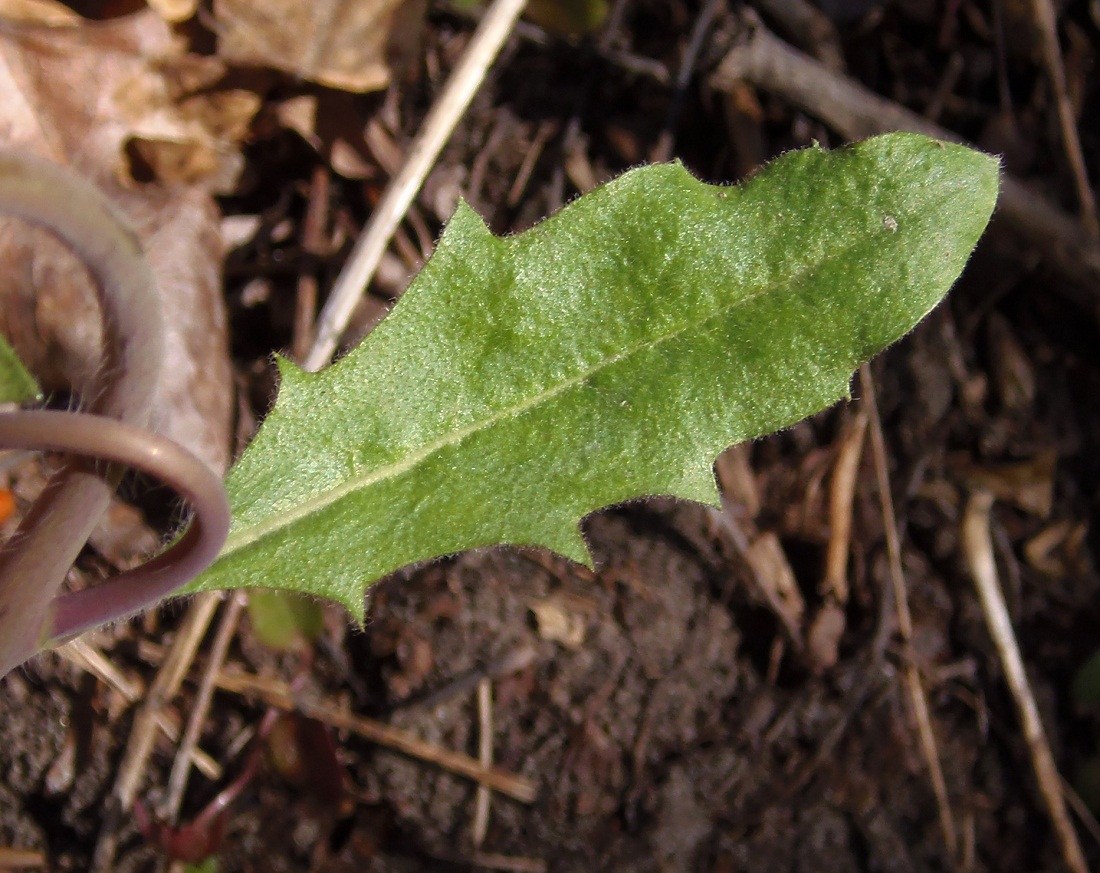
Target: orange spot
(7, 504)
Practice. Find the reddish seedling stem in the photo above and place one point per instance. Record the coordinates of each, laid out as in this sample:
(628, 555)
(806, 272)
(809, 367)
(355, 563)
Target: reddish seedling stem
(35, 561)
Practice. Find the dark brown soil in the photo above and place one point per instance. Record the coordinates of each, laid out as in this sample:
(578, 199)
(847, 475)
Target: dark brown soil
(680, 726)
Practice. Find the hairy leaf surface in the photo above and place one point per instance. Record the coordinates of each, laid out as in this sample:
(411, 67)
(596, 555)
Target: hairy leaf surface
(608, 353)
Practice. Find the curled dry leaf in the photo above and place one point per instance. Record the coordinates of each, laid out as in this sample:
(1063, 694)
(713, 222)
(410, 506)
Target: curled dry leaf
(82, 96)
(87, 94)
(345, 44)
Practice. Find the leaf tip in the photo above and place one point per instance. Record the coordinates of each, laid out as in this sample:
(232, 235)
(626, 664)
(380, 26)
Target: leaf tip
(465, 221)
(569, 543)
(291, 376)
(700, 486)
(355, 603)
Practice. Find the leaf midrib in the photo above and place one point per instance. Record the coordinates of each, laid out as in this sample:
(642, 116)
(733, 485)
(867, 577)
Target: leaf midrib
(324, 499)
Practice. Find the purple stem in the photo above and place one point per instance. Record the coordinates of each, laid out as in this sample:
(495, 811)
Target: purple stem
(35, 561)
(109, 440)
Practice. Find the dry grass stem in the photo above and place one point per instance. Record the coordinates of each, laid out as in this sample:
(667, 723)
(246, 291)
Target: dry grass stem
(167, 683)
(855, 112)
(1047, 24)
(279, 695)
(977, 542)
(82, 654)
(20, 859)
(87, 657)
(465, 79)
(484, 795)
(663, 149)
(181, 766)
(507, 863)
(917, 698)
(149, 719)
(841, 496)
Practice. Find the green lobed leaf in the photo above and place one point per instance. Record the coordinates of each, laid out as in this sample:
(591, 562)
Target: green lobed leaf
(608, 353)
(16, 384)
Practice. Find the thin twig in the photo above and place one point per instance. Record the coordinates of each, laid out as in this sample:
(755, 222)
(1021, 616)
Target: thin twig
(662, 149)
(181, 767)
(1082, 811)
(841, 497)
(766, 61)
(506, 863)
(863, 697)
(448, 108)
(1043, 10)
(20, 859)
(546, 129)
(80, 653)
(512, 661)
(313, 241)
(493, 861)
(280, 695)
(808, 27)
(977, 542)
(913, 686)
(143, 734)
(484, 795)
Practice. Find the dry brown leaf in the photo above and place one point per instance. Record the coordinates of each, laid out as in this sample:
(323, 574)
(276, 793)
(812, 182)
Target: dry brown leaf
(83, 94)
(49, 312)
(776, 582)
(823, 637)
(346, 160)
(339, 43)
(1012, 370)
(1057, 550)
(211, 161)
(1028, 484)
(339, 140)
(174, 11)
(76, 95)
(300, 115)
(562, 618)
(48, 12)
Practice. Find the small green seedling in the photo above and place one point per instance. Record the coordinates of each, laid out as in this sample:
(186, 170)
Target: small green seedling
(16, 384)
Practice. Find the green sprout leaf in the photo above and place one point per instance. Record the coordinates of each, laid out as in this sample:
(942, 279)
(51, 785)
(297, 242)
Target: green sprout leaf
(16, 384)
(283, 620)
(1085, 688)
(610, 352)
